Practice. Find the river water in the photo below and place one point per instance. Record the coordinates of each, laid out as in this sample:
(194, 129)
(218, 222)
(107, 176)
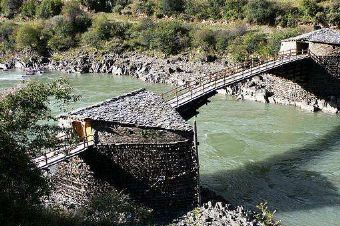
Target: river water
(251, 152)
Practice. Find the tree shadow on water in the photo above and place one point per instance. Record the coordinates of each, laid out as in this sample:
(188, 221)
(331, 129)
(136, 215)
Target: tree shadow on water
(282, 180)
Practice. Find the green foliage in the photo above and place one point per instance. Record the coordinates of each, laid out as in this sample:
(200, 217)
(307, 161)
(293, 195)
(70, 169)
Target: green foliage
(7, 40)
(22, 136)
(49, 8)
(204, 38)
(260, 11)
(265, 216)
(76, 17)
(248, 46)
(9, 8)
(310, 8)
(169, 7)
(28, 9)
(170, 37)
(274, 41)
(234, 9)
(115, 208)
(103, 5)
(29, 37)
(334, 14)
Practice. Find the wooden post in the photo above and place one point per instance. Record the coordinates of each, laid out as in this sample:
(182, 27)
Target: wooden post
(197, 159)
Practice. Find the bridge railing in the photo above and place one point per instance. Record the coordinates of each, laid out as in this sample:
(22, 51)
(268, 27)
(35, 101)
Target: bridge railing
(63, 149)
(203, 83)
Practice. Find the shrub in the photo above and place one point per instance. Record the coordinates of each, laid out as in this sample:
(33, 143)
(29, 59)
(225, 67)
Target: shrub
(334, 14)
(9, 8)
(114, 208)
(205, 39)
(260, 11)
(28, 9)
(310, 8)
(197, 8)
(169, 7)
(49, 8)
(170, 37)
(28, 37)
(234, 9)
(7, 39)
(76, 17)
(274, 42)
(101, 30)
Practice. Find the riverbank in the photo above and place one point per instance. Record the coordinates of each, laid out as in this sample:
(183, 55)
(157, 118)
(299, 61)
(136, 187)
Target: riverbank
(178, 70)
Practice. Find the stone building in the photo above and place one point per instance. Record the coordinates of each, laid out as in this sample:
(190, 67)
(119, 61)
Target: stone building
(320, 42)
(141, 145)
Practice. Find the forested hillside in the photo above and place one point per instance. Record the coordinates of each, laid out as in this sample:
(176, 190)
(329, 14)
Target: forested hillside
(236, 28)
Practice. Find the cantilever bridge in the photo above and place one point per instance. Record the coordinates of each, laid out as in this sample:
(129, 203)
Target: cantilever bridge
(182, 98)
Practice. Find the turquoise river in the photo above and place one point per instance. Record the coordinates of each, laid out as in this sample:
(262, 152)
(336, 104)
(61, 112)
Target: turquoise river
(250, 152)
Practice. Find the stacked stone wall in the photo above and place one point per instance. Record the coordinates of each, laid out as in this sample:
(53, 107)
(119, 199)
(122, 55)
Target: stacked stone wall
(163, 176)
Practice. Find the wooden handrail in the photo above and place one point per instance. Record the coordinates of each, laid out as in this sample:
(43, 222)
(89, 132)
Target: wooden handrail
(213, 81)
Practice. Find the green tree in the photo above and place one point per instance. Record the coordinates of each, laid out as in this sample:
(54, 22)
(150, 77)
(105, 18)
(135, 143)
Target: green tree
(49, 8)
(28, 37)
(169, 7)
(28, 9)
(23, 136)
(260, 11)
(9, 8)
(170, 37)
(76, 17)
(310, 8)
(7, 40)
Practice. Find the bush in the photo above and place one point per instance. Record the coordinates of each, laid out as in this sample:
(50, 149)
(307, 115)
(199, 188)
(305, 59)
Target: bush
(197, 9)
(28, 37)
(9, 8)
(310, 8)
(334, 14)
(114, 208)
(76, 17)
(7, 39)
(170, 37)
(49, 8)
(205, 39)
(169, 7)
(28, 9)
(260, 11)
(247, 46)
(234, 9)
(274, 42)
(101, 30)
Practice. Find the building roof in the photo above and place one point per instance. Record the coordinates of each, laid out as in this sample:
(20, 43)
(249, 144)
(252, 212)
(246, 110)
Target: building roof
(325, 35)
(139, 108)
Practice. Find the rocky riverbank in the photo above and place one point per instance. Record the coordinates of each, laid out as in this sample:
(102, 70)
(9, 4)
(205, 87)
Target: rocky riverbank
(175, 70)
(276, 90)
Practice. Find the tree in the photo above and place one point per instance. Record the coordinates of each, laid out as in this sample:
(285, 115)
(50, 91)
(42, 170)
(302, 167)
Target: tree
(310, 8)
(260, 11)
(23, 136)
(9, 8)
(49, 8)
(7, 40)
(31, 37)
(28, 9)
(76, 17)
(169, 7)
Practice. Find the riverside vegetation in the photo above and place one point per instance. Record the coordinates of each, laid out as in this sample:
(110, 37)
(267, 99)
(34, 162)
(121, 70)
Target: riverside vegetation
(57, 30)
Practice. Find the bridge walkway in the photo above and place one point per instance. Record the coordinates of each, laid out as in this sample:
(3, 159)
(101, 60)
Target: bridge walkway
(188, 93)
(62, 153)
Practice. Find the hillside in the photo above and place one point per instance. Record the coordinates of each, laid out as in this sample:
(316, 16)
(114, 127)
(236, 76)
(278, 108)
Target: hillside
(236, 29)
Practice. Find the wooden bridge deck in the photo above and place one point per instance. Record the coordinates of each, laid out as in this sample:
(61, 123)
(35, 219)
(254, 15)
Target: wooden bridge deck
(56, 156)
(187, 94)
